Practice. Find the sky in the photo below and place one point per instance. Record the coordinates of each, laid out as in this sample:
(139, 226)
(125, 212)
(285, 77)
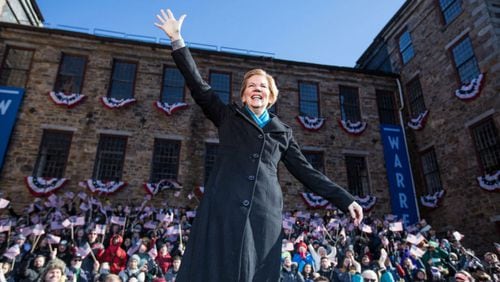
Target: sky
(329, 32)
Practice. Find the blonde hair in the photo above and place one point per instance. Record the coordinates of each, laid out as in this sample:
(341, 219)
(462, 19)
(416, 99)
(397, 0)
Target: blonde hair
(273, 89)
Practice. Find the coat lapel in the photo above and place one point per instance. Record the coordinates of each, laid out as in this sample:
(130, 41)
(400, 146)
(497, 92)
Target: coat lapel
(274, 125)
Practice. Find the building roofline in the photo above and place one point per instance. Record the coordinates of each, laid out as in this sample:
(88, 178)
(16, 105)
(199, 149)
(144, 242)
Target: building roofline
(197, 50)
(379, 37)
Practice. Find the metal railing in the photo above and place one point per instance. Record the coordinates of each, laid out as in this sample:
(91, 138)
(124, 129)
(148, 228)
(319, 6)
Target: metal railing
(158, 40)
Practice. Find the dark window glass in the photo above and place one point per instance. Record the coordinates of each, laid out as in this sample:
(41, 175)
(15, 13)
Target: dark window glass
(210, 156)
(487, 145)
(308, 99)
(349, 104)
(406, 47)
(357, 176)
(450, 9)
(109, 159)
(70, 76)
(122, 80)
(16, 67)
(431, 171)
(386, 108)
(53, 154)
(465, 61)
(221, 84)
(416, 98)
(173, 86)
(165, 160)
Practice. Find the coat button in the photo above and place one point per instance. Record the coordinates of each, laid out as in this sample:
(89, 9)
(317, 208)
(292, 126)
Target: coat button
(251, 178)
(255, 156)
(245, 203)
(260, 136)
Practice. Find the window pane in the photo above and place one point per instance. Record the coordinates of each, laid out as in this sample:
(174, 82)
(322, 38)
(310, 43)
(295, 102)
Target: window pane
(416, 98)
(220, 83)
(431, 172)
(210, 156)
(468, 71)
(165, 160)
(349, 104)
(386, 109)
(15, 68)
(308, 99)
(173, 86)
(450, 9)
(406, 47)
(53, 154)
(487, 145)
(70, 76)
(122, 83)
(110, 157)
(357, 176)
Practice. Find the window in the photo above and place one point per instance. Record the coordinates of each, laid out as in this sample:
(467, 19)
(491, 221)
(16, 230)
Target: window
(406, 47)
(386, 108)
(357, 176)
(221, 84)
(165, 160)
(465, 61)
(349, 104)
(450, 9)
(53, 154)
(110, 157)
(308, 99)
(70, 76)
(210, 156)
(315, 158)
(487, 145)
(122, 80)
(431, 171)
(416, 97)
(15, 67)
(173, 86)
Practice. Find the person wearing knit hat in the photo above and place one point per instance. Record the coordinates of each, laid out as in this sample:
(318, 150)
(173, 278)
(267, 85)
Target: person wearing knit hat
(302, 257)
(54, 271)
(133, 270)
(463, 275)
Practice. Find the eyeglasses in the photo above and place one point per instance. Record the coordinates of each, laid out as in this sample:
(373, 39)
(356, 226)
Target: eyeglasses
(77, 259)
(369, 280)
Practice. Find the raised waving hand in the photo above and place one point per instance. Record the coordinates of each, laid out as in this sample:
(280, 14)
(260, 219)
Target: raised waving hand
(170, 25)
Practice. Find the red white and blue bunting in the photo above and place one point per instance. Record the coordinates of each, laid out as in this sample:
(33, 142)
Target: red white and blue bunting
(104, 188)
(314, 201)
(68, 100)
(470, 90)
(41, 187)
(164, 184)
(311, 123)
(170, 109)
(355, 128)
(367, 202)
(419, 122)
(490, 182)
(432, 201)
(112, 103)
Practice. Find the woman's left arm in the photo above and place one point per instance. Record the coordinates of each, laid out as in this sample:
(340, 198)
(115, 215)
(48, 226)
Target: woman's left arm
(301, 169)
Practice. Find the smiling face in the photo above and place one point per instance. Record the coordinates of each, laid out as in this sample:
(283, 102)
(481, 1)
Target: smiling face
(256, 93)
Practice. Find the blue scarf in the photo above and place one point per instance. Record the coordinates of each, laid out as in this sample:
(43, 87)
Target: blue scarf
(262, 120)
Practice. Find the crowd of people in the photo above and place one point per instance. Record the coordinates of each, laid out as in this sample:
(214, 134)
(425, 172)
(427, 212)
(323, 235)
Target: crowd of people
(79, 238)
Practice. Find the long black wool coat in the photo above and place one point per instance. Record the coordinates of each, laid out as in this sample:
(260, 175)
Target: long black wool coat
(236, 235)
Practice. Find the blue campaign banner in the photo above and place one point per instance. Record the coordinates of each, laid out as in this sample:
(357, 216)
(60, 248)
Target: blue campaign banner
(10, 100)
(401, 186)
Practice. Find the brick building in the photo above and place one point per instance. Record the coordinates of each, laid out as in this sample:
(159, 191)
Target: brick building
(138, 143)
(437, 47)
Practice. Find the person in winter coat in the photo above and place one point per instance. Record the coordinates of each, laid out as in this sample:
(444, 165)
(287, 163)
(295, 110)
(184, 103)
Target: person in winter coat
(164, 259)
(54, 271)
(33, 268)
(172, 272)
(114, 255)
(239, 220)
(133, 270)
(289, 272)
(302, 257)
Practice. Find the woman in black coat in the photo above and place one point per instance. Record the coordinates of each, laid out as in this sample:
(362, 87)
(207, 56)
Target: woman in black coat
(236, 235)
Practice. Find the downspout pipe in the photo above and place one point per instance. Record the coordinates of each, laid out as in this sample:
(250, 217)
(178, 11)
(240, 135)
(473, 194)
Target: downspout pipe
(401, 121)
